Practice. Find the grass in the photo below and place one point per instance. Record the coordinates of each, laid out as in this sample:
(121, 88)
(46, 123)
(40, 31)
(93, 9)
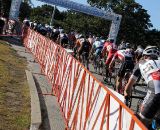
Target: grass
(14, 90)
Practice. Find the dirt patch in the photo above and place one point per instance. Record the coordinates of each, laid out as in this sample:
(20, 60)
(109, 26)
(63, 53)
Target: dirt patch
(14, 90)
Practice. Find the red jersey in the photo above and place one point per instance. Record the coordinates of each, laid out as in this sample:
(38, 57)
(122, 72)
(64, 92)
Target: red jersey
(124, 54)
(111, 50)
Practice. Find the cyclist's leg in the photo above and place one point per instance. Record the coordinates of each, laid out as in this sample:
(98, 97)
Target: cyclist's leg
(75, 52)
(150, 106)
(118, 84)
(98, 63)
(80, 56)
(95, 62)
(87, 60)
(106, 73)
(119, 79)
(107, 67)
(83, 58)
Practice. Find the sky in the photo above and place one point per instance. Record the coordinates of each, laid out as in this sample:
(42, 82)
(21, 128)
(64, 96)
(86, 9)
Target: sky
(152, 7)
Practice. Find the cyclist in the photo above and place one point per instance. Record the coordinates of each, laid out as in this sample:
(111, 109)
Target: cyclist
(126, 57)
(78, 43)
(84, 51)
(138, 53)
(96, 50)
(109, 49)
(97, 46)
(149, 69)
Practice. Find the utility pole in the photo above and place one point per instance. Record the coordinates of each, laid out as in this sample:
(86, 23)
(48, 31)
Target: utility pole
(52, 18)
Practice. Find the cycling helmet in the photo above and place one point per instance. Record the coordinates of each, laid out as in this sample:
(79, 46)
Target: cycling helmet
(102, 40)
(139, 46)
(110, 40)
(151, 51)
(122, 46)
(127, 45)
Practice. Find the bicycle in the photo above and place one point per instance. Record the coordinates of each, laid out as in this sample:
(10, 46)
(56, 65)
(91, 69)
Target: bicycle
(85, 59)
(98, 63)
(112, 74)
(128, 101)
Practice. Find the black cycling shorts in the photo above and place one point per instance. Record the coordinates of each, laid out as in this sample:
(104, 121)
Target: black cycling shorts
(151, 105)
(85, 54)
(127, 65)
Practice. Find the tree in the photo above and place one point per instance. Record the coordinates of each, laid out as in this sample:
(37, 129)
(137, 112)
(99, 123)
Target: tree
(135, 20)
(135, 25)
(85, 24)
(24, 9)
(152, 37)
(5, 7)
(43, 14)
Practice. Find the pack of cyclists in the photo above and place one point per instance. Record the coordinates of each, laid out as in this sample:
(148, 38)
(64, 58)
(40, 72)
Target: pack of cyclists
(149, 68)
(140, 63)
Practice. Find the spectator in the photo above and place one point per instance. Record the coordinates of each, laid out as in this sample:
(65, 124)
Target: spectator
(18, 27)
(2, 24)
(55, 36)
(64, 40)
(43, 30)
(11, 26)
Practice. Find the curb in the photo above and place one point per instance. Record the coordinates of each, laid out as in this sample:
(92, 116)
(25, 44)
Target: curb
(36, 118)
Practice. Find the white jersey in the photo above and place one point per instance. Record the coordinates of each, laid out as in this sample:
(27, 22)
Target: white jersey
(150, 71)
(126, 53)
(98, 44)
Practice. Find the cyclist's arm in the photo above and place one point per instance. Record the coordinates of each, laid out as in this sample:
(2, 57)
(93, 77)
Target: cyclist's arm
(104, 51)
(92, 49)
(113, 60)
(80, 48)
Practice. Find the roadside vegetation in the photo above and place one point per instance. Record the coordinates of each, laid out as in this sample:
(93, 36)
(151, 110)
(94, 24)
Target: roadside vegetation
(14, 90)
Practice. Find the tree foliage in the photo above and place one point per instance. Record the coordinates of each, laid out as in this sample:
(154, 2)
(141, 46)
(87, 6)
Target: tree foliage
(135, 25)
(85, 24)
(25, 8)
(43, 14)
(5, 7)
(135, 20)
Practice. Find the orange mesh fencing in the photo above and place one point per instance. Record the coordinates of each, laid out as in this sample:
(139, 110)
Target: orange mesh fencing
(85, 102)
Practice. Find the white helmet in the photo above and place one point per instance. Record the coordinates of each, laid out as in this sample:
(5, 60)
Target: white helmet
(151, 51)
(127, 45)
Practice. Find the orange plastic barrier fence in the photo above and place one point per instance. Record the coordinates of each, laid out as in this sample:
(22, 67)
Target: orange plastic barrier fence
(86, 103)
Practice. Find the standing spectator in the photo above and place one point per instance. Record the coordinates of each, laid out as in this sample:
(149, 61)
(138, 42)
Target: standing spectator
(25, 26)
(18, 27)
(2, 23)
(55, 36)
(11, 26)
(64, 40)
